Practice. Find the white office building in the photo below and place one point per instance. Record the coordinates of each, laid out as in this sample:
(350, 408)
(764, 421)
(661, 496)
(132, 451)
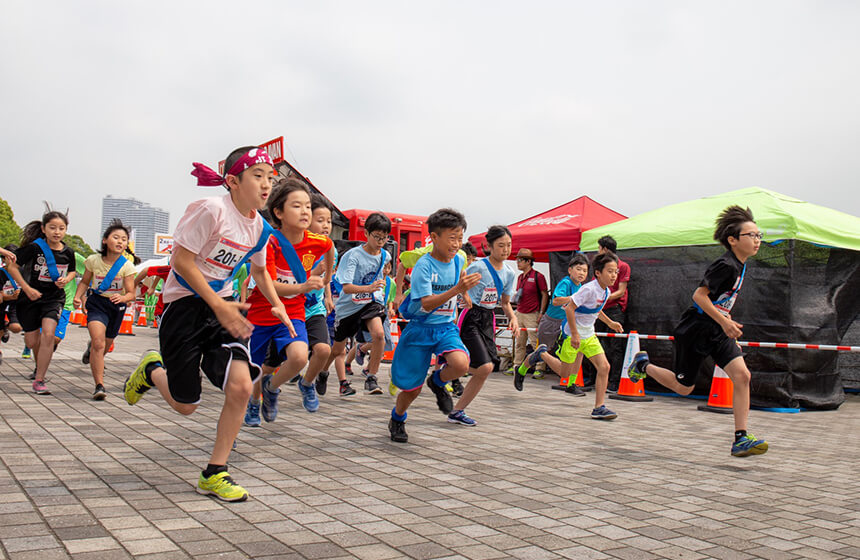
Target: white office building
(144, 220)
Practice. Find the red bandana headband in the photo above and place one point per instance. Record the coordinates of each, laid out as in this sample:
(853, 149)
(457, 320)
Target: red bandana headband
(208, 178)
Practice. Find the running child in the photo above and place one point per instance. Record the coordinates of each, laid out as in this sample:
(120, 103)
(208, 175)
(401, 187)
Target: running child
(45, 265)
(549, 329)
(437, 278)
(478, 321)
(707, 327)
(112, 276)
(292, 253)
(9, 291)
(361, 304)
(202, 327)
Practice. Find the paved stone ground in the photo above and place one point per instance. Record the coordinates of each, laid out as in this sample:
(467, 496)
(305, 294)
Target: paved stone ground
(536, 479)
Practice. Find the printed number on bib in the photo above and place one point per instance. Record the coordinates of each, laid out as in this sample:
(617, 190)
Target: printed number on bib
(115, 286)
(489, 296)
(285, 277)
(224, 257)
(447, 308)
(45, 276)
(362, 298)
(726, 307)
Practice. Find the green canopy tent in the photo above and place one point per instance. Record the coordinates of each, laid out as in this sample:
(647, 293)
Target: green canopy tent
(801, 287)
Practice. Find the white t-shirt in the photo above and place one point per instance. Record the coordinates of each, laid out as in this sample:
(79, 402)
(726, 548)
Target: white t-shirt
(219, 236)
(592, 296)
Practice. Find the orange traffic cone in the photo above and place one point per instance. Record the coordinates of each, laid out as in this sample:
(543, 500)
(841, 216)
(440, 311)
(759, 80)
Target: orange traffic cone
(127, 322)
(77, 317)
(141, 320)
(395, 338)
(566, 381)
(627, 389)
(154, 322)
(720, 395)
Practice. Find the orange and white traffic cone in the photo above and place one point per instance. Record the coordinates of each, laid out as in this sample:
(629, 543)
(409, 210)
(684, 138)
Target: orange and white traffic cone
(395, 338)
(627, 389)
(127, 322)
(565, 382)
(141, 320)
(720, 395)
(77, 317)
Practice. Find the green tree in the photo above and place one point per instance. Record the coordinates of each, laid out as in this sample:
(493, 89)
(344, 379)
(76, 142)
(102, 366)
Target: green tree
(78, 245)
(10, 232)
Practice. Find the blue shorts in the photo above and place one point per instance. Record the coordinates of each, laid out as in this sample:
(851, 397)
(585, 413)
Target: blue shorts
(418, 343)
(60, 331)
(280, 334)
(102, 310)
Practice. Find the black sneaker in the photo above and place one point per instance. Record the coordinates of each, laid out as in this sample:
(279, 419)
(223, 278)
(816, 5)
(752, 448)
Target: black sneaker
(85, 359)
(518, 379)
(443, 398)
(5, 338)
(371, 386)
(99, 394)
(349, 369)
(33, 375)
(322, 382)
(398, 431)
(346, 390)
(575, 390)
(294, 380)
(458, 388)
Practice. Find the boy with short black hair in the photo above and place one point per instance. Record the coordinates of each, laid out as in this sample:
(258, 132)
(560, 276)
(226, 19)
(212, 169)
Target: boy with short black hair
(707, 328)
(437, 278)
(361, 304)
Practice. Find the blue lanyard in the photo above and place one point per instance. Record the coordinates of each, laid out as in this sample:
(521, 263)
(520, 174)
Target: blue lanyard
(50, 261)
(111, 274)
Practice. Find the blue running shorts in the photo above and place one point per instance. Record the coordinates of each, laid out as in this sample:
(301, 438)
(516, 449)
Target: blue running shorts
(418, 343)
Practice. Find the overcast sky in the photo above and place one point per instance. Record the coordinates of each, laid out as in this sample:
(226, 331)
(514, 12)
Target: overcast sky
(500, 109)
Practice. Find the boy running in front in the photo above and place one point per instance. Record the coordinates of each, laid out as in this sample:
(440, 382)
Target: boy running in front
(707, 328)
(202, 327)
(437, 278)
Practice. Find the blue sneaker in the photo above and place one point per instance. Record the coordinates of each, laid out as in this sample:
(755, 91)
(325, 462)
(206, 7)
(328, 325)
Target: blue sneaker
(309, 397)
(603, 413)
(749, 445)
(252, 414)
(26, 353)
(459, 417)
(270, 400)
(535, 357)
(636, 371)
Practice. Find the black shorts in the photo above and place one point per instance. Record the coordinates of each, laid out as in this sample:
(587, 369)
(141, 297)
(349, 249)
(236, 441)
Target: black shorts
(8, 314)
(317, 331)
(192, 340)
(31, 313)
(696, 339)
(274, 358)
(102, 310)
(351, 325)
(478, 335)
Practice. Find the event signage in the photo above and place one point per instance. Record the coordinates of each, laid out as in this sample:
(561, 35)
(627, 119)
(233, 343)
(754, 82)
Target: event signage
(163, 244)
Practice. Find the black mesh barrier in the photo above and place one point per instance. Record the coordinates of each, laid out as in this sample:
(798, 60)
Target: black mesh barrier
(793, 292)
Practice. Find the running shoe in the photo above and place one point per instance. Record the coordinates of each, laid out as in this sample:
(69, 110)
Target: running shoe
(510, 371)
(520, 377)
(359, 355)
(26, 353)
(40, 388)
(294, 380)
(5, 338)
(138, 383)
(346, 390)
(749, 445)
(460, 417)
(575, 390)
(99, 394)
(538, 374)
(443, 397)
(397, 431)
(222, 486)
(392, 389)
(309, 397)
(603, 413)
(252, 414)
(457, 387)
(85, 359)
(349, 369)
(371, 386)
(33, 375)
(636, 371)
(270, 400)
(322, 382)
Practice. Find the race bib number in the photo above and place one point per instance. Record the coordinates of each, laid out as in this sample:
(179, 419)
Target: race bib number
(285, 277)
(726, 307)
(8, 289)
(362, 298)
(224, 257)
(115, 286)
(45, 276)
(448, 308)
(489, 296)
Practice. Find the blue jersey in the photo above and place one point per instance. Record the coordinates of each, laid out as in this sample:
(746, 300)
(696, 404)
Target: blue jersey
(485, 292)
(432, 277)
(319, 307)
(360, 268)
(565, 288)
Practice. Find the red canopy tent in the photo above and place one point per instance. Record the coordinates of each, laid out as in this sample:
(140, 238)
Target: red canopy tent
(559, 229)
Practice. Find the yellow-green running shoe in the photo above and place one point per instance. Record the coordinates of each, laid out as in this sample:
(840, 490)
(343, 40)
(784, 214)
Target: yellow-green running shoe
(135, 384)
(221, 486)
(392, 389)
